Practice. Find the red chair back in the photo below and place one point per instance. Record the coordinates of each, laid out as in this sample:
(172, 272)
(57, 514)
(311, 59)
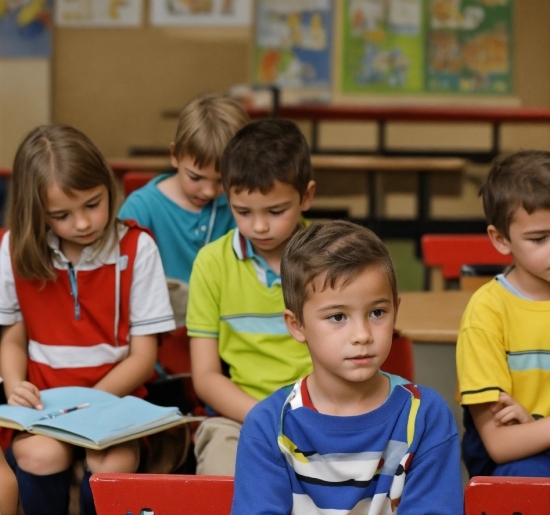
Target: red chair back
(400, 360)
(451, 251)
(132, 181)
(507, 495)
(165, 494)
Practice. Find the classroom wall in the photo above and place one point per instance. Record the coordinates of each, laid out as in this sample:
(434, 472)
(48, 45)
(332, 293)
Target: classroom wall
(25, 101)
(114, 85)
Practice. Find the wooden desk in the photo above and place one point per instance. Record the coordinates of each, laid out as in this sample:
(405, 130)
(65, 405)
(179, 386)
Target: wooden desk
(495, 116)
(431, 316)
(381, 115)
(421, 167)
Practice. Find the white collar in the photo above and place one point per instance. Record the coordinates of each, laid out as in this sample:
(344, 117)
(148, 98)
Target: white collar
(90, 257)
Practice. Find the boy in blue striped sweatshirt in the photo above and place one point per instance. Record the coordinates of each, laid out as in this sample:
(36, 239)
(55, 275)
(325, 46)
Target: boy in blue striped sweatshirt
(347, 438)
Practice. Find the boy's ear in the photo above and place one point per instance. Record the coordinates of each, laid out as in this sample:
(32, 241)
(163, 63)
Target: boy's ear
(173, 159)
(499, 241)
(307, 197)
(294, 326)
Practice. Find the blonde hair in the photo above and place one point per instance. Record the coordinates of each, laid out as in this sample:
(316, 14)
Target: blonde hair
(51, 153)
(205, 126)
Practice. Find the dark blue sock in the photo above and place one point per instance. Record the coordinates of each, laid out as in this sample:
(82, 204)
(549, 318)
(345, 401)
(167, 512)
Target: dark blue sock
(87, 506)
(44, 495)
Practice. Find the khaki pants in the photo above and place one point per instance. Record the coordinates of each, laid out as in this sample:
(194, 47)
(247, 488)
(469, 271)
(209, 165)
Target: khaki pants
(216, 446)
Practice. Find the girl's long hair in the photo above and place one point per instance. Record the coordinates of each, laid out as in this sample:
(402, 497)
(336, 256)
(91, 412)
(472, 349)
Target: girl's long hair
(51, 153)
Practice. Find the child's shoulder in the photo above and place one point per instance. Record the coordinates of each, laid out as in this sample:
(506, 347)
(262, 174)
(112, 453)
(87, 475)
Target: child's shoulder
(220, 249)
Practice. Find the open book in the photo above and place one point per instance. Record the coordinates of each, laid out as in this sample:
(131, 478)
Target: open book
(91, 418)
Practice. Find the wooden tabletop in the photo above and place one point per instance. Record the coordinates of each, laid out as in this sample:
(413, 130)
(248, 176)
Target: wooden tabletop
(387, 164)
(431, 316)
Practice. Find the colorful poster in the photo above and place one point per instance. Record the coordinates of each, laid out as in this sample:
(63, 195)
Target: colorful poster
(25, 28)
(293, 41)
(201, 12)
(383, 46)
(470, 46)
(99, 13)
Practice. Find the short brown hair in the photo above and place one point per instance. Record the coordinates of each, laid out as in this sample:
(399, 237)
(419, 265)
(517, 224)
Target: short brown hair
(205, 125)
(518, 180)
(266, 151)
(51, 153)
(339, 249)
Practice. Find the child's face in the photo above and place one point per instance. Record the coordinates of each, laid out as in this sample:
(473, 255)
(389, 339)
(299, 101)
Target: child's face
(348, 329)
(269, 220)
(199, 186)
(80, 219)
(529, 243)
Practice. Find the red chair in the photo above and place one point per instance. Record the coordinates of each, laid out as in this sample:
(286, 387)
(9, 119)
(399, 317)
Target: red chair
(134, 180)
(164, 494)
(507, 496)
(400, 360)
(448, 252)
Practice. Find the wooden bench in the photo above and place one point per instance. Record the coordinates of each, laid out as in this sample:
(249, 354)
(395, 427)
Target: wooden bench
(372, 166)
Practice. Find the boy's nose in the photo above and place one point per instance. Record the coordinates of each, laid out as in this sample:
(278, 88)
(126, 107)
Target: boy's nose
(361, 334)
(210, 191)
(260, 225)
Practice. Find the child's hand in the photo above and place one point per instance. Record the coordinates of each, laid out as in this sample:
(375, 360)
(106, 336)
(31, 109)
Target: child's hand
(508, 411)
(26, 394)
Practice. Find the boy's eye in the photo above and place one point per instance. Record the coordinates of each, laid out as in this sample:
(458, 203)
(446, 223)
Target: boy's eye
(377, 313)
(338, 317)
(539, 240)
(194, 178)
(59, 217)
(243, 213)
(277, 213)
(93, 206)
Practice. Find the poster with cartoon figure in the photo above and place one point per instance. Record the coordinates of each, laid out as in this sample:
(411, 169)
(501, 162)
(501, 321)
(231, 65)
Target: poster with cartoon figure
(98, 13)
(25, 28)
(293, 40)
(470, 46)
(383, 46)
(201, 12)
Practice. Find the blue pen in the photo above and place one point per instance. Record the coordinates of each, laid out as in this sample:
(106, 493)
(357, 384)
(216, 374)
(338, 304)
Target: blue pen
(63, 411)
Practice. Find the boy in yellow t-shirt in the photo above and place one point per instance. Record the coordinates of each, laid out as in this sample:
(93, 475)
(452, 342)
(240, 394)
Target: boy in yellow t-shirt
(503, 350)
(235, 313)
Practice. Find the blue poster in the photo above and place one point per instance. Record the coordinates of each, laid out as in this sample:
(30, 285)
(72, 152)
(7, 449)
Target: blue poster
(25, 28)
(293, 43)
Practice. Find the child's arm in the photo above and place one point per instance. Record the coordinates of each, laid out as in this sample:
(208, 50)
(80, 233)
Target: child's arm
(13, 368)
(508, 411)
(510, 442)
(133, 370)
(215, 389)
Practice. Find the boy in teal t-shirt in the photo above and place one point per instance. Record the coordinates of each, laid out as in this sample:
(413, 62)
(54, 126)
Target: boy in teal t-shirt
(235, 313)
(187, 209)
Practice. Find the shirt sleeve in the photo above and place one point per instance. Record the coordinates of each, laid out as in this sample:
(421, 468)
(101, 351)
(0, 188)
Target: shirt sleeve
(262, 482)
(136, 208)
(481, 357)
(150, 310)
(9, 303)
(433, 483)
(203, 309)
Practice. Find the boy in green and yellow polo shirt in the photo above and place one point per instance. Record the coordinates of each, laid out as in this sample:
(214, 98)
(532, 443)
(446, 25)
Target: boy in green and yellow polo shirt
(235, 312)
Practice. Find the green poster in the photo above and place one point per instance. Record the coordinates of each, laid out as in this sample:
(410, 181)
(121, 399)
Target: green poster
(383, 46)
(427, 46)
(469, 46)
